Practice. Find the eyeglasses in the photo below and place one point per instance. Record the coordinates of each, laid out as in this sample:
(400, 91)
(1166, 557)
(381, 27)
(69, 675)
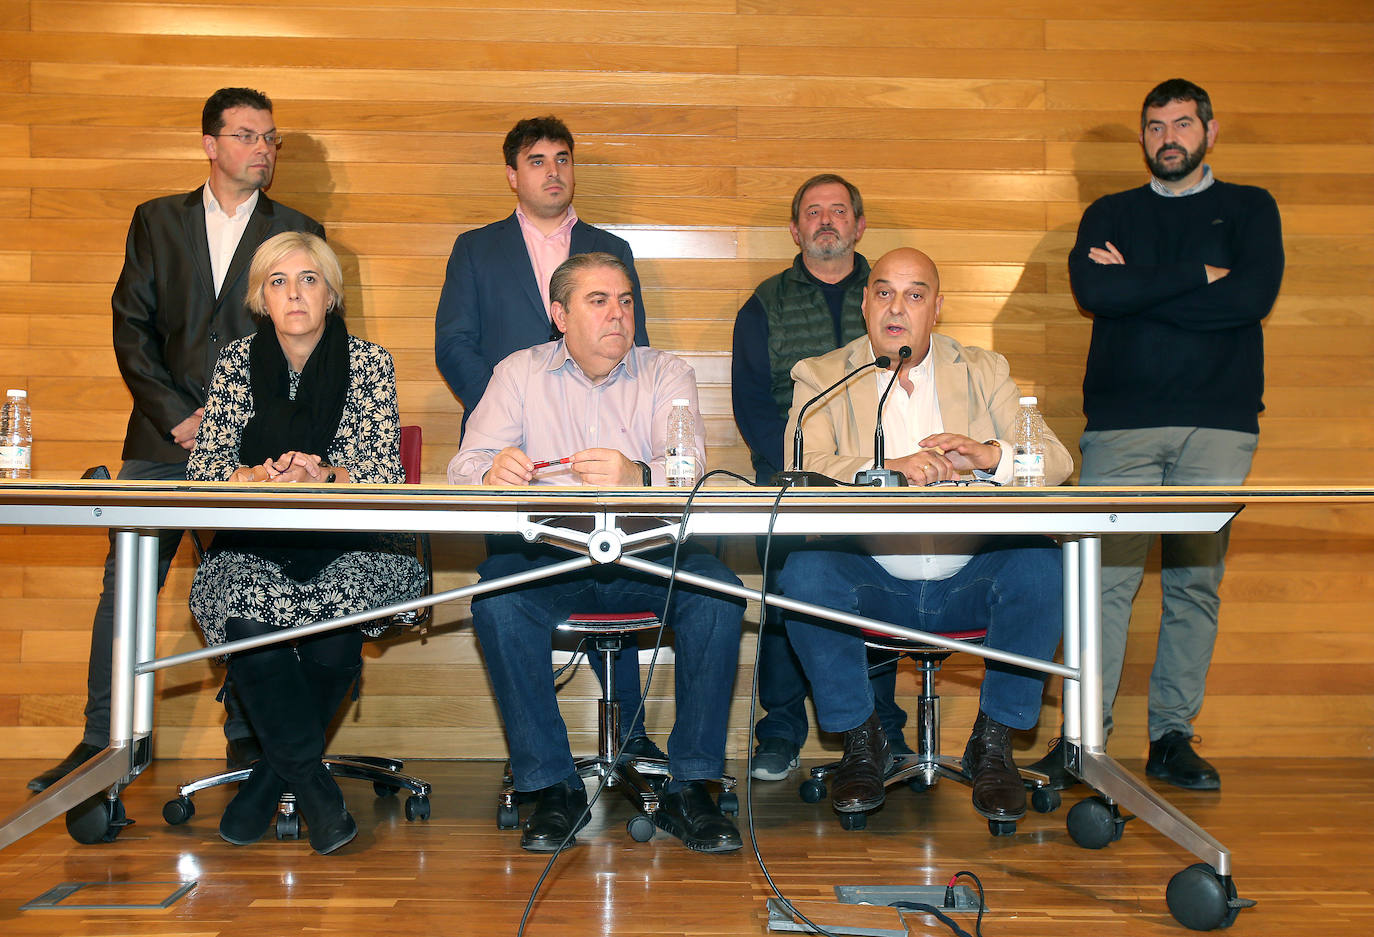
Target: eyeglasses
(964, 483)
(248, 137)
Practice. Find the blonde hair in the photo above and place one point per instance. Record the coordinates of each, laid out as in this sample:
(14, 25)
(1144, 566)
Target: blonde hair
(275, 249)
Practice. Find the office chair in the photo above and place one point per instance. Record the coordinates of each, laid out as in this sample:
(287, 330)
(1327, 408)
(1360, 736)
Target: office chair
(922, 770)
(386, 774)
(636, 777)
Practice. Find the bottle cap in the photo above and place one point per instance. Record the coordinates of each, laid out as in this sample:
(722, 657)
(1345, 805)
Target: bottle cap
(1029, 401)
(16, 392)
(682, 402)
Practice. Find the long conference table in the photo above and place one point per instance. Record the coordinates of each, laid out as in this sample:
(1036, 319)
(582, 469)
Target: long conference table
(612, 526)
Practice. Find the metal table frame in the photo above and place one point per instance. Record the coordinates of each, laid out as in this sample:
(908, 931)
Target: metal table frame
(1079, 517)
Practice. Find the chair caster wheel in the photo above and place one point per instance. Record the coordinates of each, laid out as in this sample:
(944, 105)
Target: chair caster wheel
(97, 819)
(1200, 899)
(1002, 827)
(640, 827)
(1093, 823)
(1045, 800)
(729, 803)
(507, 818)
(417, 807)
(853, 821)
(288, 826)
(384, 790)
(812, 791)
(178, 811)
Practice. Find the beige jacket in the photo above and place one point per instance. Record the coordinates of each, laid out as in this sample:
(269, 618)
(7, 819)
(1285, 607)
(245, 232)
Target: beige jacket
(977, 398)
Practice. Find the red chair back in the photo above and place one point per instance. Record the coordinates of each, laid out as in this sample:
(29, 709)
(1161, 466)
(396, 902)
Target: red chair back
(411, 445)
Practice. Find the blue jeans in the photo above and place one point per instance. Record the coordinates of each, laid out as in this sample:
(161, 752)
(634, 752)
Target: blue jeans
(515, 627)
(782, 684)
(1012, 587)
(1192, 564)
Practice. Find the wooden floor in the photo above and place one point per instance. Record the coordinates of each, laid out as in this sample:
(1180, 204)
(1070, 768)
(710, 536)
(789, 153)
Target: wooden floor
(1301, 834)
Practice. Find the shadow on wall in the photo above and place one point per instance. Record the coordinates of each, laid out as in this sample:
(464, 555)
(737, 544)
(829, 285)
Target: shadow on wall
(1041, 302)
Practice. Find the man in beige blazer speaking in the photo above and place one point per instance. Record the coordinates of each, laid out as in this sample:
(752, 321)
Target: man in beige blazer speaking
(949, 414)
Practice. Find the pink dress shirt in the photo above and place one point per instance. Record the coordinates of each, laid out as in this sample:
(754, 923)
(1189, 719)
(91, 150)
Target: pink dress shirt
(541, 402)
(546, 251)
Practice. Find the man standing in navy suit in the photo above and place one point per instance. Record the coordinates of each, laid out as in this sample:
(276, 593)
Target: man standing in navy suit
(495, 299)
(495, 302)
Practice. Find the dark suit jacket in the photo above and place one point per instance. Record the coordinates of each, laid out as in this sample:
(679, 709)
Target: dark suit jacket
(490, 306)
(169, 325)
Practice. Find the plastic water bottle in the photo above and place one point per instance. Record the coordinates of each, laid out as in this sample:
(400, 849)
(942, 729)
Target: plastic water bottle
(16, 435)
(1028, 440)
(682, 445)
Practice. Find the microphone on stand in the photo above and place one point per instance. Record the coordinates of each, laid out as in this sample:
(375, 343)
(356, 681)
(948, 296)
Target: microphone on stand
(879, 476)
(795, 476)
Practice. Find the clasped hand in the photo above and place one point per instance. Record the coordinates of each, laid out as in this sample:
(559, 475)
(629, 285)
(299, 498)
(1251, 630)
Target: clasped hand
(288, 467)
(944, 456)
(600, 467)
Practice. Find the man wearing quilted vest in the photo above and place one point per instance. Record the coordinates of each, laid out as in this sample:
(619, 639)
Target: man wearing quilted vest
(806, 310)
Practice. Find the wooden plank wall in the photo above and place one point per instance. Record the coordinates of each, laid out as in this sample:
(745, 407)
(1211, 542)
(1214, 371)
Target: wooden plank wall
(977, 131)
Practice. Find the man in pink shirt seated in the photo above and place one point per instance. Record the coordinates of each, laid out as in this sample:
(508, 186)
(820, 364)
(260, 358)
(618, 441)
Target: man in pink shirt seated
(601, 402)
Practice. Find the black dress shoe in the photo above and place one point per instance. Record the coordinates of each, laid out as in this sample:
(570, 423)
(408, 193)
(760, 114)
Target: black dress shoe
(556, 809)
(694, 817)
(1172, 759)
(1054, 765)
(998, 793)
(249, 815)
(858, 784)
(641, 746)
(83, 753)
(241, 753)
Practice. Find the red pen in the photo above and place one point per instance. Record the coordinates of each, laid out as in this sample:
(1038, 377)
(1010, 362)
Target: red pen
(540, 465)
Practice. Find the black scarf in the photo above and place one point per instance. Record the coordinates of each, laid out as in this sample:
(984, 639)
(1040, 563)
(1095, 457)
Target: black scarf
(306, 424)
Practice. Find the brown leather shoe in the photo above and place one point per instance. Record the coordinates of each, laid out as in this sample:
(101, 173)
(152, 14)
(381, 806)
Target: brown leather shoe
(998, 793)
(858, 785)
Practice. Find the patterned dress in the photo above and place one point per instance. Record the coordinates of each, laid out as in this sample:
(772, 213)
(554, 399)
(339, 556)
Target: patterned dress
(240, 585)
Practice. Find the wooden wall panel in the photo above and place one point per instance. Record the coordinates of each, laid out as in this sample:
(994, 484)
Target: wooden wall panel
(977, 132)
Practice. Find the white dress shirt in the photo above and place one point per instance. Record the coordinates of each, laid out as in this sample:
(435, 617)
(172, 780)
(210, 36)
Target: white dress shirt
(224, 231)
(907, 419)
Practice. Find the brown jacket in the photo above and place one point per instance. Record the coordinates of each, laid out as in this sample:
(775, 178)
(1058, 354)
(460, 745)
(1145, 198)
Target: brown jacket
(977, 398)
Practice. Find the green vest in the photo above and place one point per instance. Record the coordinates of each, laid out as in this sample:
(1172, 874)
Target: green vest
(799, 322)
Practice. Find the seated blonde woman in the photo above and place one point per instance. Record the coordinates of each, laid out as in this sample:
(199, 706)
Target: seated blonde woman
(300, 401)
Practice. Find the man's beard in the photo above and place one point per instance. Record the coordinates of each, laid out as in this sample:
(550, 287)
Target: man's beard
(831, 248)
(1190, 162)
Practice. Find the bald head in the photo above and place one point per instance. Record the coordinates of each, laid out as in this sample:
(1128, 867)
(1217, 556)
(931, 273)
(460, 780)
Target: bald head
(902, 303)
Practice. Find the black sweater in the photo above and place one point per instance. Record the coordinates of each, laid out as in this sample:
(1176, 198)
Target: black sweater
(1169, 349)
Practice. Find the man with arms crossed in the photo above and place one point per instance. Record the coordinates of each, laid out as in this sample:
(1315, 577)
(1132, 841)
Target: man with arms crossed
(179, 300)
(599, 400)
(1178, 275)
(952, 411)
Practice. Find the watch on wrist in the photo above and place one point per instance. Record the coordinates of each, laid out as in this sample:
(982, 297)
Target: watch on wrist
(331, 477)
(646, 476)
(998, 446)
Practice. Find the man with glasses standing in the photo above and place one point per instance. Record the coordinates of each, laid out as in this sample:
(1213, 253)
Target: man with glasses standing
(179, 300)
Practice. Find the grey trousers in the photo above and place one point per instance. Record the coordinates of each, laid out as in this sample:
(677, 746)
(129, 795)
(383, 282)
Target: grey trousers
(1192, 565)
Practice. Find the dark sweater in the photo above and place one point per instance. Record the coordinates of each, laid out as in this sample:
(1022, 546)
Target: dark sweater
(1169, 349)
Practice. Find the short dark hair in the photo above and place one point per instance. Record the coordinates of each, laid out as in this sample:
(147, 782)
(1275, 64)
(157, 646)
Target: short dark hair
(1177, 89)
(212, 117)
(530, 131)
(564, 279)
(828, 178)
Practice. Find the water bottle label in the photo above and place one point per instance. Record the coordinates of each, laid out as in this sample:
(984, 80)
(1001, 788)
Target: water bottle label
(1028, 465)
(682, 466)
(15, 457)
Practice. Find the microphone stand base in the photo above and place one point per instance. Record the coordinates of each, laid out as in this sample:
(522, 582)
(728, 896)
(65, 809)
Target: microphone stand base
(880, 478)
(799, 479)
